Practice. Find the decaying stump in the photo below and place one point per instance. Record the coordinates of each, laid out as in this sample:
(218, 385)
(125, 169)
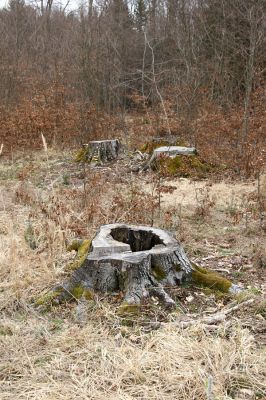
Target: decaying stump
(99, 151)
(138, 261)
(170, 151)
(173, 151)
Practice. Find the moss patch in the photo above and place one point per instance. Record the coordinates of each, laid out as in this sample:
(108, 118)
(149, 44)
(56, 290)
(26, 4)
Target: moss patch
(182, 165)
(83, 155)
(82, 248)
(79, 291)
(205, 278)
(49, 298)
(74, 245)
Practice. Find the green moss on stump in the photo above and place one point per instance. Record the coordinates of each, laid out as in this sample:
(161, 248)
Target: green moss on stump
(74, 245)
(83, 154)
(182, 165)
(82, 248)
(54, 297)
(79, 291)
(205, 278)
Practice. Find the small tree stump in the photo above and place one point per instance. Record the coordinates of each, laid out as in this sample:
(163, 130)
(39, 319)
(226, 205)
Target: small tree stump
(106, 149)
(99, 151)
(138, 261)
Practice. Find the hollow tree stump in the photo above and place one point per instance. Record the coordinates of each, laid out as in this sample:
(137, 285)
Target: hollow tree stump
(138, 261)
(99, 151)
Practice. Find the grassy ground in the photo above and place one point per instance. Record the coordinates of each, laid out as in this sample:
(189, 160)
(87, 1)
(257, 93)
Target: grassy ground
(45, 201)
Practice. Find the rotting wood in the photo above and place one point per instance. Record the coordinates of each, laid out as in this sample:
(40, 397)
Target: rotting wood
(138, 261)
(170, 151)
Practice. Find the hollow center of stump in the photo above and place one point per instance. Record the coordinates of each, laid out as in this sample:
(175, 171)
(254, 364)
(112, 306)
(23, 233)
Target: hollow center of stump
(139, 240)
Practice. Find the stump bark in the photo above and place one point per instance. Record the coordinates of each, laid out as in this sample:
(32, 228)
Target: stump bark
(138, 261)
(99, 151)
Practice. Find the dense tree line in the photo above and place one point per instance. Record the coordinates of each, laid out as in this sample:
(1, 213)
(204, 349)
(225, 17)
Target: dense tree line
(110, 51)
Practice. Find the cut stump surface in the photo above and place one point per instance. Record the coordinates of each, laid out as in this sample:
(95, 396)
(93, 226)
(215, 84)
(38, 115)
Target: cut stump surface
(139, 261)
(170, 151)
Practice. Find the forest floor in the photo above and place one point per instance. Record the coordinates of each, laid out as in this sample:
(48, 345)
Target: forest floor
(46, 200)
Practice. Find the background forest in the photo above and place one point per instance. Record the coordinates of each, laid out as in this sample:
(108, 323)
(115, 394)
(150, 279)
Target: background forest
(192, 68)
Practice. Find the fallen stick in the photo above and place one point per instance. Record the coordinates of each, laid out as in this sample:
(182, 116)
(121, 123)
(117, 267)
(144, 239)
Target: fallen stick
(221, 270)
(212, 319)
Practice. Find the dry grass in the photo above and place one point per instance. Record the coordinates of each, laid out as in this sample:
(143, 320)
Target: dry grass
(46, 359)
(48, 356)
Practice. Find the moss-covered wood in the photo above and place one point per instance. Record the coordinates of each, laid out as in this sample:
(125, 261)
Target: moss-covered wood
(182, 165)
(82, 248)
(209, 279)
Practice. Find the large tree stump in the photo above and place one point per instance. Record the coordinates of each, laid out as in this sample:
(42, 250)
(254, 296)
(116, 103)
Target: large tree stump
(138, 261)
(99, 151)
(170, 151)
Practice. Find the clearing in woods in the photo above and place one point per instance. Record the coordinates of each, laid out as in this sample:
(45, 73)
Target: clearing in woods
(72, 352)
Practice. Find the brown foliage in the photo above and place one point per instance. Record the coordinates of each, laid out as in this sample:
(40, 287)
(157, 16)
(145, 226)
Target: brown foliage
(49, 112)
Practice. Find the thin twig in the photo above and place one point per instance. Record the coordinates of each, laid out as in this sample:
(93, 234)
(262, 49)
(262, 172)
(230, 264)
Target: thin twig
(211, 319)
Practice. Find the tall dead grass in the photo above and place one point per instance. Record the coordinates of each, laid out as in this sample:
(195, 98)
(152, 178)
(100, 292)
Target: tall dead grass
(54, 359)
(48, 356)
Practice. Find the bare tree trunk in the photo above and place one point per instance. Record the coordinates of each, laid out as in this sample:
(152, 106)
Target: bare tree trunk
(90, 10)
(154, 82)
(249, 75)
